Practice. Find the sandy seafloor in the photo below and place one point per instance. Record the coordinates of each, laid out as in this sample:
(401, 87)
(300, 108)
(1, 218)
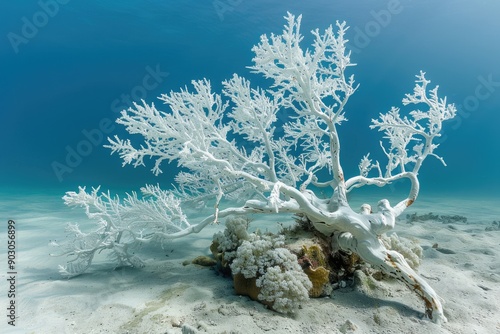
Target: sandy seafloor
(167, 297)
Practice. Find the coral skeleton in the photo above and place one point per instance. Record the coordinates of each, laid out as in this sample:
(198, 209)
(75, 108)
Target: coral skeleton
(270, 148)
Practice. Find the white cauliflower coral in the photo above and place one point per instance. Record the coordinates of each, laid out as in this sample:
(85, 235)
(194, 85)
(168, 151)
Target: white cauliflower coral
(279, 276)
(231, 238)
(409, 248)
(284, 288)
(257, 254)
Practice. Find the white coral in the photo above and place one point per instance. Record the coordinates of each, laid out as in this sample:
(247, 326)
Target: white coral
(409, 248)
(234, 233)
(284, 288)
(121, 226)
(231, 238)
(256, 254)
(280, 277)
(227, 147)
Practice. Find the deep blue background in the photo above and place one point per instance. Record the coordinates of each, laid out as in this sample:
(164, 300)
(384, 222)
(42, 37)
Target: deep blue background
(67, 76)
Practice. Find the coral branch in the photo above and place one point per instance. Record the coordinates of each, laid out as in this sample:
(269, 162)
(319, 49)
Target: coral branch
(228, 151)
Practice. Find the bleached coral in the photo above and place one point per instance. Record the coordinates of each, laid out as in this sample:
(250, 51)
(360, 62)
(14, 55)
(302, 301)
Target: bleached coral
(409, 248)
(227, 147)
(120, 226)
(285, 288)
(259, 252)
(230, 239)
(279, 276)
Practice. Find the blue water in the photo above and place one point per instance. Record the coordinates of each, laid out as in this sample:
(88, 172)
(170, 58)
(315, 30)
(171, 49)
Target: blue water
(70, 75)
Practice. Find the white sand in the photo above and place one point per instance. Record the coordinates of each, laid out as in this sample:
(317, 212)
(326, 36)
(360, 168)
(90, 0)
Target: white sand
(167, 297)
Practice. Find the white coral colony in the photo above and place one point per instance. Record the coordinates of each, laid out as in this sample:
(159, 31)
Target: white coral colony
(276, 173)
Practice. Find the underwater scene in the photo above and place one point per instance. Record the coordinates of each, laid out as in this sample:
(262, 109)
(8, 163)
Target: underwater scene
(236, 166)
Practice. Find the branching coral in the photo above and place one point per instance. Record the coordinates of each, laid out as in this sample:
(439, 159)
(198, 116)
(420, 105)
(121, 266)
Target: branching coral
(228, 148)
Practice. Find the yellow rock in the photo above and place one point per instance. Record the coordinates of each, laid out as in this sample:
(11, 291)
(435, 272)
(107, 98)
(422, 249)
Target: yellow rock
(248, 287)
(222, 264)
(214, 248)
(205, 261)
(315, 267)
(315, 254)
(318, 277)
